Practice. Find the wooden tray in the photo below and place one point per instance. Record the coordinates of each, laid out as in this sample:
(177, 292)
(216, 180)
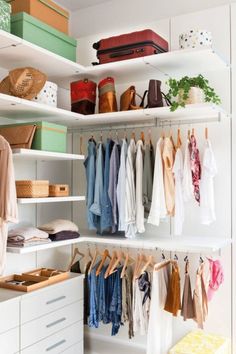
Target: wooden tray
(23, 282)
(49, 274)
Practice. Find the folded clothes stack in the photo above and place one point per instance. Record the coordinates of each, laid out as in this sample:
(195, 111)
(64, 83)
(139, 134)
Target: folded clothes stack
(60, 230)
(27, 236)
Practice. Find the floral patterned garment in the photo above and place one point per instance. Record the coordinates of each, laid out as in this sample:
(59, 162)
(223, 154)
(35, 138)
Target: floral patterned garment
(195, 167)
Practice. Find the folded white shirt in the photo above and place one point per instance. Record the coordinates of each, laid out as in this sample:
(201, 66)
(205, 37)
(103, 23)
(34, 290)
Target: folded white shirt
(27, 233)
(58, 225)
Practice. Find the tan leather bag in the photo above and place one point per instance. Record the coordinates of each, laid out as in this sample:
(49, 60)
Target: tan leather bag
(20, 136)
(128, 100)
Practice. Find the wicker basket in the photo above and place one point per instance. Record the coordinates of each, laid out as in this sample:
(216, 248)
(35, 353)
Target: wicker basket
(32, 189)
(58, 190)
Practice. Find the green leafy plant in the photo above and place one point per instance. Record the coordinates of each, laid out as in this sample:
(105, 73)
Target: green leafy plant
(179, 90)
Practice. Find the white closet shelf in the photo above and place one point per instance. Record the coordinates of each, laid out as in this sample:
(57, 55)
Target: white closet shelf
(50, 200)
(27, 111)
(16, 52)
(176, 63)
(38, 155)
(30, 249)
(204, 245)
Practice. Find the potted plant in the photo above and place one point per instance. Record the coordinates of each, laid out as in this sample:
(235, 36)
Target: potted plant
(189, 90)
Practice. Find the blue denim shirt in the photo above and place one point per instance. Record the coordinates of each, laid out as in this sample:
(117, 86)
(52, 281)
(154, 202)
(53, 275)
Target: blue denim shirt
(90, 166)
(106, 216)
(115, 308)
(102, 291)
(93, 298)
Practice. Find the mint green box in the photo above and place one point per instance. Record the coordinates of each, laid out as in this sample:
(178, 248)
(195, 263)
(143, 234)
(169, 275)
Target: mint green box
(50, 137)
(5, 16)
(35, 31)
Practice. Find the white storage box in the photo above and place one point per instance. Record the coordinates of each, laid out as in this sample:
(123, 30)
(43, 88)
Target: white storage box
(48, 94)
(195, 39)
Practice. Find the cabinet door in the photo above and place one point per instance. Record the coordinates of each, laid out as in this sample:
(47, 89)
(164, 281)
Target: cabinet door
(75, 349)
(51, 298)
(58, 342)
(10, 315)
(45, 326)
(9, 341)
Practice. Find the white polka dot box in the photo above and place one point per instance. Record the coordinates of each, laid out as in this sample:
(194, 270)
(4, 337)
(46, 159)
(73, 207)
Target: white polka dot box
(195, 39)
(48, 94)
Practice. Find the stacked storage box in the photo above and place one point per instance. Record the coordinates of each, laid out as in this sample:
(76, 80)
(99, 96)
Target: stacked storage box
(45, 24)
(5, 16)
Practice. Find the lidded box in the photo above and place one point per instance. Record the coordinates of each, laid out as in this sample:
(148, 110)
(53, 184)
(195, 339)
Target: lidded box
(48, 94)
(195, 39)
(5, 16)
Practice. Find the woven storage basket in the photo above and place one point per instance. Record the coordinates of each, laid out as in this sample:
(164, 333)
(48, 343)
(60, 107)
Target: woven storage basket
(58, 190)
(32, 189)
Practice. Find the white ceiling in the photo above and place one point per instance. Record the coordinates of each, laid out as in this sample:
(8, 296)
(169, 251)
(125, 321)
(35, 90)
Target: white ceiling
(78, 4)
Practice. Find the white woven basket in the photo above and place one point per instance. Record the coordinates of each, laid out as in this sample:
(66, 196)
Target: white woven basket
(195, 39)
(48, 94)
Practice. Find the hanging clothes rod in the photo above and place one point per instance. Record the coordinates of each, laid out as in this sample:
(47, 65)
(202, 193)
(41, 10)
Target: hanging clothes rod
(155, 123)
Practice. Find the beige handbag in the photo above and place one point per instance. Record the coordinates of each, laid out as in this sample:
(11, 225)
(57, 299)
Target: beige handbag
(20, 136)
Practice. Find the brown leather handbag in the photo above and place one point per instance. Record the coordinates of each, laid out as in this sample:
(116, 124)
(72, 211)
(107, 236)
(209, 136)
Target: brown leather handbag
(128, 99)
(20, 136)
(107, 96)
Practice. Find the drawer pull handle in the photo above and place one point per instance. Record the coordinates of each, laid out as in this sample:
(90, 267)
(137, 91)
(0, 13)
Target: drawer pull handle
(56, 322)
(56, 345)
(55, 300)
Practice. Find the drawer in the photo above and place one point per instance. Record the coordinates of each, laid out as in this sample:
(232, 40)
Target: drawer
(34, 331)
(51, 298)
(75, 349)
(58, 342)
(9, 341)
(10, 315)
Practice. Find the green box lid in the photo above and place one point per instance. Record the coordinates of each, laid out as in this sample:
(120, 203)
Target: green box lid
(23, 16)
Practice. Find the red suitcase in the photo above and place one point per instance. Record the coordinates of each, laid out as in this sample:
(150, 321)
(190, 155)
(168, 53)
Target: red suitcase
(131, 45)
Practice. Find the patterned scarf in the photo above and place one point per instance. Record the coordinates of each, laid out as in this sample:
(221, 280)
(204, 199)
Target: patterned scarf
(195, 167)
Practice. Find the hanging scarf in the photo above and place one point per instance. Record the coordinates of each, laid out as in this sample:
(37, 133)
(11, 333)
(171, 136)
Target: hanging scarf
(195, 167)
(145, 286)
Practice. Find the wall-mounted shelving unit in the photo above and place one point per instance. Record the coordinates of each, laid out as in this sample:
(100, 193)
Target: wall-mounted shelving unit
(202, 245)
(50, 200)
(38, 155)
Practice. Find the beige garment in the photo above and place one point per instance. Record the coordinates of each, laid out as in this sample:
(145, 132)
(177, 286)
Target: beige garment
(59, 225)
(8, 201)
(200, 301)
(169, 183)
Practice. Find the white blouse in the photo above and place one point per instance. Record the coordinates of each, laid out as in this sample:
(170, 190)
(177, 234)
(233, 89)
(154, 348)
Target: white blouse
(179, 201)
(209, 170)
(139, 188)
(158, 207)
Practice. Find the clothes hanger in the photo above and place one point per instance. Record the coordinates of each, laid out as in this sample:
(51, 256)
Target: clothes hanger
(105, 255)
(136, 266)
(179, 141)
(125, 134)
(142, 137)
(162, 131)
(149, 137)
(142, 260)
(101, 136)
(120, 255)
(112, 260)
(96, 254)
(193, 132)
(133, 135)
(149, 263)
(206, 133)
(88, 258)
(165, 263)
(126, 263)
(189, 134)
(76, 252)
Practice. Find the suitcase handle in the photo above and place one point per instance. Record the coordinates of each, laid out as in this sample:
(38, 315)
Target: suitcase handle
(125, 52)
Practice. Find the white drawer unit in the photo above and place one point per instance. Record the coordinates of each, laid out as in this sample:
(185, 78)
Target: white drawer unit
(9, 341)
(59, 342)
(48, 320)
(51, 298)
(75, 349)
(10, 315)
(45, 326)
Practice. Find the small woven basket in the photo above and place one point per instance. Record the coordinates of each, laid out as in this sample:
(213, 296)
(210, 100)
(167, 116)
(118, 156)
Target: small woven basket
(32, 189)
(58, 190)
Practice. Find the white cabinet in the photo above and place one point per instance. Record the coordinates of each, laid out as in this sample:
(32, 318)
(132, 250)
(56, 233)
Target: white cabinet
(52, 317)
(58, 342)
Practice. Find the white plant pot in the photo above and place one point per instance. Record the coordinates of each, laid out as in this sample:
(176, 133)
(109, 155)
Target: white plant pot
(195, 39)
(48, 94)
(195, 95)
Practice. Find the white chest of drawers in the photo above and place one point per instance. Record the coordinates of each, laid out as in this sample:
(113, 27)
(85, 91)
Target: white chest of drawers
(49, 320)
